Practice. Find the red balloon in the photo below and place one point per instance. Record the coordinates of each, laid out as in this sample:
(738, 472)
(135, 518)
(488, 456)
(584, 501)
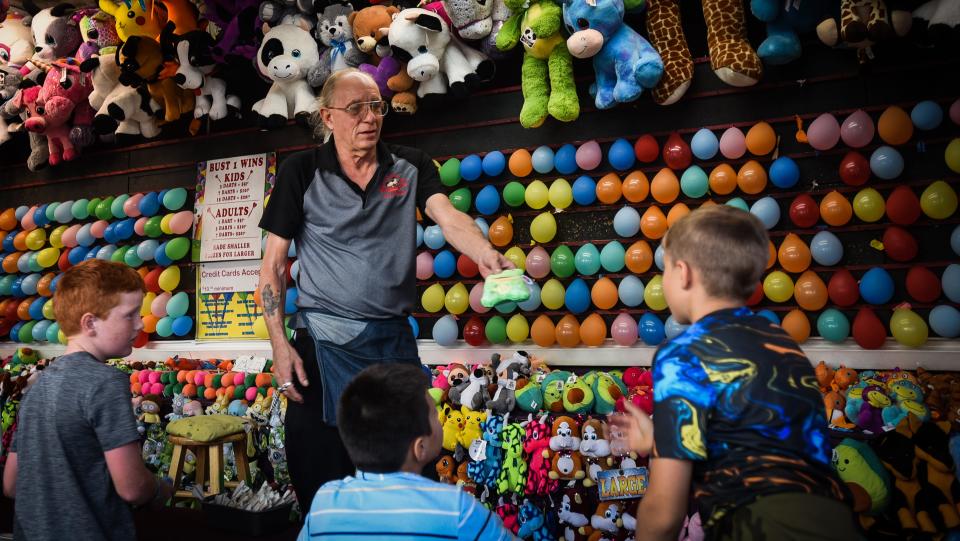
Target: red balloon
(646, 149)
(64, 262)
(868, 331)
(141, 340)
(903, 207)
(804, 211)
(676, 152)
(10, 310)
(854, 169)
(466, 267)
(5, 327)
(843, 289)
(922, 284)
(288, 274)
(152, 280)
(899, 244)
(757, 295)
(473, 331)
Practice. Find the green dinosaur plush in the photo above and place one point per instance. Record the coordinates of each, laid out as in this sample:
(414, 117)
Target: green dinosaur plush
(547, 71)
(578, 397)
(859, 467)
(607, 389)
(513, 472)
(553, 389)
(529, 398)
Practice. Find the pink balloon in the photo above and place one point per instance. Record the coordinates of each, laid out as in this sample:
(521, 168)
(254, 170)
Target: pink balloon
(69, 237)
(955, 112)
(98, 227)
(538, 262)
(824, 132)
(131, 207)
(858, 129)
(589, 156)
(181, 222)
(424, 266)
(139, 225)
(733, 144)
(624, 330)
(476, 293)
(159, 305)
(27, 221)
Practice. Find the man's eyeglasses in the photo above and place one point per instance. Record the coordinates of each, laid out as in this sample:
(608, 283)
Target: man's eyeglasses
(379, 108)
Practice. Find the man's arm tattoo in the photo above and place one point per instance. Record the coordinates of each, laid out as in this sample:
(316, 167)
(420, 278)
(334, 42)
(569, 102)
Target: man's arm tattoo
(270, 300)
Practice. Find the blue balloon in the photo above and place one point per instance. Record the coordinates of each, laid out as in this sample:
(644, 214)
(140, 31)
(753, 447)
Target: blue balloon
(533, 302)
(8, 242)
(29, 284)
(106, 251)
(444, 264)
(826, 249)
(91, 253)
(577, 296)
(651, 330)
(738, 203)
(290, 303)
(445, 331)
(492, 164)
(109, 234)
(626, 222)
(658, 257)
(471, 167)
(483, 225)
(876, 286)
(542, 160)
(565, 160)
(704, 144)
(672, 329)
(621, 155)
(784, 172)
(76, 254)
(630, 290)
(954, 240)
(945, 321)
(125, 228)
(292, 249)
(584, 191)
(433, 237)
(15, 331)
(488, 200)
(295, 270)
(926, 115)
(21, 212)
(40, 215)
(833, 325)
(84, 236)
(36, 308)
(886, 162)
(951, 282)
(183, 324)
(419, 235)
(16, 288)
(147, 249)
(40, 330)
(149, 204)
(160, 256)
(767, 210)
(770, 316)
(414, 326)
(54, 282)
(23, 264)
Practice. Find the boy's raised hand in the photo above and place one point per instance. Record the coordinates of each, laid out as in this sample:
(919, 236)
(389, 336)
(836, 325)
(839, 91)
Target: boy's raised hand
(631, 431)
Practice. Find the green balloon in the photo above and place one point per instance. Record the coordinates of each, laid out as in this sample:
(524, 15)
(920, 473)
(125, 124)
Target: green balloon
(117, 255)
(612, 257)
(26, 332)
(51, 211)
(32, 262)
(174, 199)
(152, 227)
(461, 199)
(513, 194)
(79, 209)
(177, 248)
(132, 259)
(104, 211)
(116, 208)
(739, 203)
(165, 327)
(562, 262)
(450, 172)
(92, 206)
(53, 333)
(587, 259)
(496, 330)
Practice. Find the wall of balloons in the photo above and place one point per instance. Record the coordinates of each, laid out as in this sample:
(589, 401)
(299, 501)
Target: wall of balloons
(144, 230)
(862, 219)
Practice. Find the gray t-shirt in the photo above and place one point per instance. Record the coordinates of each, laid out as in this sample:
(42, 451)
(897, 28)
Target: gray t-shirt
(78, 409)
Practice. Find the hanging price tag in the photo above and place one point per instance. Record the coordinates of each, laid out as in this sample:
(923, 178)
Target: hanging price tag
(250, 365)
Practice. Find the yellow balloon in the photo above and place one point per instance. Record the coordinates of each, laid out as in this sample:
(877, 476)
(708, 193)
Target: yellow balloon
(544, 227)
(55, 236)
(561, 194)
(516, 255)
(36, 238)
(260, 328)
(432, 299)
(653, 294)
(165, 224)
(517, 328)
(536, 195)
(938, 200)
(552, 293)
(868, 205)
(48, 312)
(952, 155)
(778, 286)
(61, 336)
(908, 328)
(147, 301)
(170, 278)
(457, 299)
(48, 257)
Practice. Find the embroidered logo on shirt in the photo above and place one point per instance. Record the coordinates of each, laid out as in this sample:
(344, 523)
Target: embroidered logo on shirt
(394, 186)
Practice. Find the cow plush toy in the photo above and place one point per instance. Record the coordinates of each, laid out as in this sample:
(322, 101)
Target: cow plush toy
(288, 56)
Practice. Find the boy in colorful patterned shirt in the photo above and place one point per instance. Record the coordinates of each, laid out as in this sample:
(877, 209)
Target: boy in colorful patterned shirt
(737, 410)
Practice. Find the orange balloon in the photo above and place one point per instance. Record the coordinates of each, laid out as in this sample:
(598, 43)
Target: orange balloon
(676, 212)
(639, 257)
(609, 189)
(150, 323)
(835, 209)
(723, 179)
(8, 219)
(761, 139)
(653, 223)
(43, 286)
(568, 331)
(10, 262)
(501, 231)
(665, 186)
(520, 163)
(593, 331)
(23, 309)
(20, 241)
(752, 178)
(772, 254)
(797, 326)
(543, 332)
(895, 126)
(143, 271)
(794, 254)
(257, 299)
(604, 294)
(810, 291)
(636, 187)
(707, 203)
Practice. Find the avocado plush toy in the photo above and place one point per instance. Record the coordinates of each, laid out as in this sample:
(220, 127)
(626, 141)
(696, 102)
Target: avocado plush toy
(553, 390)
(863, 472)
(578, 396)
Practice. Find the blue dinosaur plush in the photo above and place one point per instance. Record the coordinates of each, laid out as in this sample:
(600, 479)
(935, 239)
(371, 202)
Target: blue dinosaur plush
(533, 523)
(625, 63)
(786, 19)
(485, 472)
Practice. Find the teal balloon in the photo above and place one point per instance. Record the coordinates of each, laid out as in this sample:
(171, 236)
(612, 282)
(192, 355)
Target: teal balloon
(739, 203)
(40, 330)
(533, 302)
(587, 259)
(53, 332)
(6, 284)
(577, 296)
(132, 257)
(178, 304)
(51, 212)
(506, 307)
(116, 208)
(612, 257)
(630, 290)
(177, 248)
(174, 199)
(833, 325)
(165, 327)
(79, 210)
(35, 265)
(694, 182)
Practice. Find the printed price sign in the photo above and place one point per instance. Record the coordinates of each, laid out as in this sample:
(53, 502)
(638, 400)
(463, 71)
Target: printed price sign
(622, 484)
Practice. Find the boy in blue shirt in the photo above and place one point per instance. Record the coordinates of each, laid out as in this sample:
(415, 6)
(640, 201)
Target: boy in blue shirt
(390, 429)
(737, 410)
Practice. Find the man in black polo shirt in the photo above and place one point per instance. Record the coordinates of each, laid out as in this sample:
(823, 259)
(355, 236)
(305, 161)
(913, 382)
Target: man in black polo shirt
(350, 206)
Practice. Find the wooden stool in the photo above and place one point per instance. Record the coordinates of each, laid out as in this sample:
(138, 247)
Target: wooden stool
(209, 466)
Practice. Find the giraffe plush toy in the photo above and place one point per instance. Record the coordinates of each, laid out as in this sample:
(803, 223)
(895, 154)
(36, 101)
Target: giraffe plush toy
(857, 24)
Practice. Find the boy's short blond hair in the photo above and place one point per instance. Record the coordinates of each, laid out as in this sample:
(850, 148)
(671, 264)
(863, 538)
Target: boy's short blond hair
(727, 246)
(93, 286)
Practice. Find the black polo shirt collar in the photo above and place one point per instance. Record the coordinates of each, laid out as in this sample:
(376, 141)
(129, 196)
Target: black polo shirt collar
(327, 160)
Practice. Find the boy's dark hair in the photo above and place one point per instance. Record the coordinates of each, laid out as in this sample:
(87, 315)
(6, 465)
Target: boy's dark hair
(726, 245)
(381, 412)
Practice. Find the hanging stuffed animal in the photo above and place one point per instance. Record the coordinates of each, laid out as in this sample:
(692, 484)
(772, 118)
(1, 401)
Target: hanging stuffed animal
(504, 398)
(274, 13)
(55, 32)
(287, 56)
(473, 420)
(785, 21)
(536, 453)
(472, 393)
(857, 24)
(624, 62)
(9, 86)
(938, 22)
(236, 25)
(369, 32)
(595, 448)
(136, 18)
(334, 30)
(533, 523)
(16, 40)
(99, 33)
(484, 472)
(547, 73)
(513, 473)
(194, 73)
(141, 63)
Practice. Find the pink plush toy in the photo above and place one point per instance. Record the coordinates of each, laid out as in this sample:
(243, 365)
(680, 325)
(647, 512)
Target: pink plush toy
(48, 118)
